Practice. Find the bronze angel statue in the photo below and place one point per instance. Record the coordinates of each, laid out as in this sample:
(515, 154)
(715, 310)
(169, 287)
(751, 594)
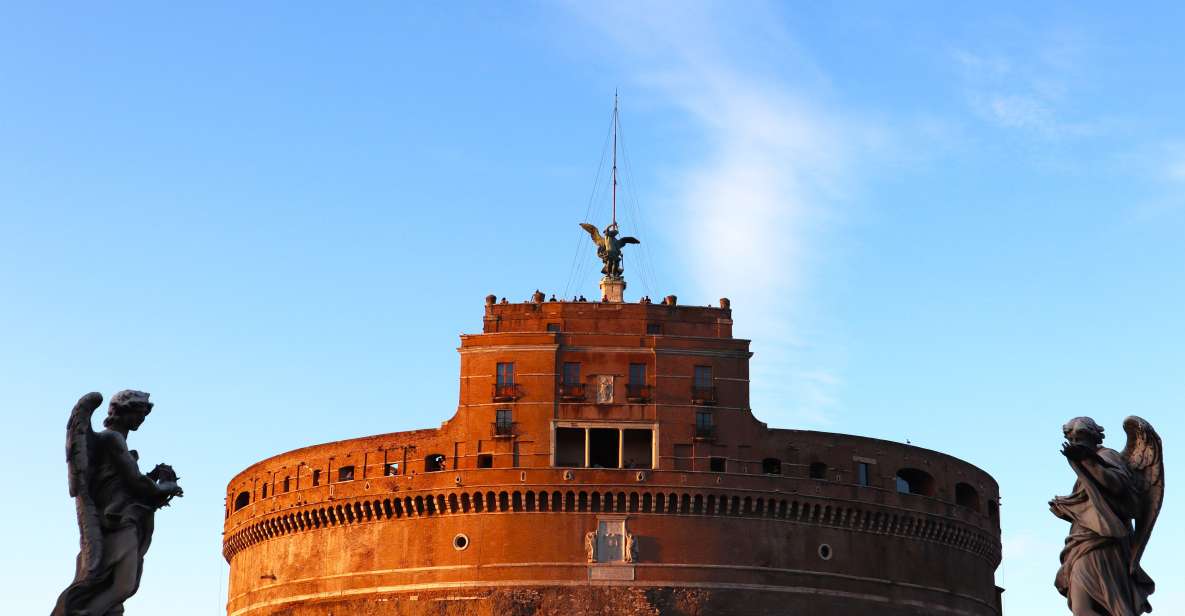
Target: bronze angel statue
(1111, 512)
(115, 504)
(609, 248)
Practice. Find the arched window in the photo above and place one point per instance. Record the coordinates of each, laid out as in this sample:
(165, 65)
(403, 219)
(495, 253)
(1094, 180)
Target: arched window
(966, 496)
(818, 470)
(915, 481)
(434, 462)
(771, 466)
(242, 500)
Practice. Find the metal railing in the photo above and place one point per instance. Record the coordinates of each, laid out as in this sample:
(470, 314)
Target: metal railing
(572, 391)
(705, 432)
(637, 393)
(504, 428)
(703, 394)
(505, 392)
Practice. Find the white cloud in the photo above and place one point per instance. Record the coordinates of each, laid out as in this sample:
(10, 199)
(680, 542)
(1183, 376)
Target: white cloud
(778, 161)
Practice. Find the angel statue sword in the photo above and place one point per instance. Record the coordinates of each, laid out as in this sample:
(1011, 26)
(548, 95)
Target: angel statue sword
(1111, 512)
(115, 503)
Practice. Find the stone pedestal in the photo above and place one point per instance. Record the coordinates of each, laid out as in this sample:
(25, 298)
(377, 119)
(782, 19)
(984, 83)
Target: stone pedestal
(613, 289)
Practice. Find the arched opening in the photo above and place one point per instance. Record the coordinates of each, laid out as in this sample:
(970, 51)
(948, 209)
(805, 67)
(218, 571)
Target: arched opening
(771, 466)
(994, 512)
(915, 481)
(242, 500)
(818, 470)
(434, 462)
(966, 496)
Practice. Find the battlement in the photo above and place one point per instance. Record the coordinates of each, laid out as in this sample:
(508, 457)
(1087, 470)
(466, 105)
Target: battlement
(666, 318)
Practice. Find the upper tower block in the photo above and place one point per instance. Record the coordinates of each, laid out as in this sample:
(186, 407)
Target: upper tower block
(642, 318)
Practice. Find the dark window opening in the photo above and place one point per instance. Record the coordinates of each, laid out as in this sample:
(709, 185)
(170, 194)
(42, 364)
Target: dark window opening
(391, 469)
(485, 460)
(505, 373)
(771, 466)
(569, 447)
(317, 477)
(818, 470)
(654, 329)
(553, 327)
(966, 496)
(716, 465)
(287, 484)
(570, 387)
(603, 448)
(345, 473)
(705, 426)
(242, 500)
(503, 422)
(636, 389)
(636, 449)
(863, 474)
(703, 387)
(263, 491)
(915, 481)
(434, 462)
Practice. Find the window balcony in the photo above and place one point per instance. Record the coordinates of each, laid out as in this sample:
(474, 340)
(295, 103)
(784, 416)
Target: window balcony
(703, 394)
(571, 392)
(504, 429)
(705, 432)
(506, 392)
(637, 393)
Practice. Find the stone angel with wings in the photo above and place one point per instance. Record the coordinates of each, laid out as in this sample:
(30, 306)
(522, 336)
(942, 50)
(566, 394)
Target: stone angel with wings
(609, 248)
(115, 504)
(1114, 505)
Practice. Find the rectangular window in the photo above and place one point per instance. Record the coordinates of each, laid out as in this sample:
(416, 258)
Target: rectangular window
(317, 477)
(569, 447)
(571, 373)
(505, 373)
(391, 469)
(485, 460)
(716, 465)
(654, 329)
(703, 419)
(553, 327)
(504, 417)
(637, 374)
(862, 474)
(287, 484)
(345, 473)
(703, 377)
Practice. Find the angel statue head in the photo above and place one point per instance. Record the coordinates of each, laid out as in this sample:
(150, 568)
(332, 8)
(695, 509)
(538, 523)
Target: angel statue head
(1083, 431)
(128, 407)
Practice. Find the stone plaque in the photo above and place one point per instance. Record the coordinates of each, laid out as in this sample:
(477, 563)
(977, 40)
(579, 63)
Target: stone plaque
(612, 572)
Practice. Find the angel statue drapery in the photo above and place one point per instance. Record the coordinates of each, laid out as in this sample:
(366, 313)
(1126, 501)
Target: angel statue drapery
(115, 504)
(609, 248)
(1111, 512)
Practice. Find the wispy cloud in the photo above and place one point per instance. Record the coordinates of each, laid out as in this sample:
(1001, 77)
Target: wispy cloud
(764, 194)
(1029, 89)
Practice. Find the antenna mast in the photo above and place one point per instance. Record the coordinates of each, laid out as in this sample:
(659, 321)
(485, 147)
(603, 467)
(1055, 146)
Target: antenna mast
(614, 225)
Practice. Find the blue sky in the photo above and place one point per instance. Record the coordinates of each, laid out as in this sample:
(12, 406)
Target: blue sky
(955, 225)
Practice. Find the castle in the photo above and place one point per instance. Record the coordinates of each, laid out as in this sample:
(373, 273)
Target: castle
(603, 459)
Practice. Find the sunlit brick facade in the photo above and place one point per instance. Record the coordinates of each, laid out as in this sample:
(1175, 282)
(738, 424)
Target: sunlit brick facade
(604, 458)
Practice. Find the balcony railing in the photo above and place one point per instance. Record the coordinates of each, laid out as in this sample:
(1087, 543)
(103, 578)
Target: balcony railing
(571, 391)
(703, 394)
(504, 429)
(506, 392)
(637, 393)
(705, 432)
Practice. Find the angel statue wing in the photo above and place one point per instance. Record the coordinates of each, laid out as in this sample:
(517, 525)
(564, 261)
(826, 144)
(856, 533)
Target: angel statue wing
(596, 235)
(629, 239)
(80, 451)
(1144, 455)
